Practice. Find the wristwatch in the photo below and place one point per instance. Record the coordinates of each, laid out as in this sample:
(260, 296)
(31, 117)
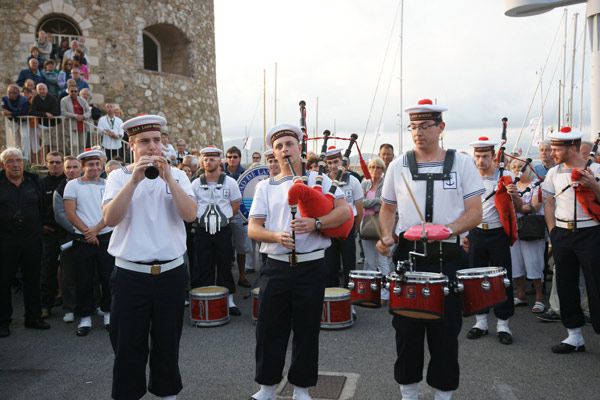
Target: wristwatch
(451, 231)
(318, 224)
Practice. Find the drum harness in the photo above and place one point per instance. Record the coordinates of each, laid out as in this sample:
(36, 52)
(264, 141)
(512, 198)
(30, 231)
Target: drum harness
(213, 218)
(430, 178)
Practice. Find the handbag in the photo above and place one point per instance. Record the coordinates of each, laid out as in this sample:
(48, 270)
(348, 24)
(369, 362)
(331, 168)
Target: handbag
(531, 227)
(369, 227)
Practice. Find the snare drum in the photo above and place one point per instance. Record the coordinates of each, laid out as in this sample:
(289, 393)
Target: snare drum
(208, 306)
(418, 295)
(482, 288)
(365, 288)
(337, 313)
(255, 293)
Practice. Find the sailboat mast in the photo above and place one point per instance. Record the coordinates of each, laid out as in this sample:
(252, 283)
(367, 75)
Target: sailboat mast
(582, 76)
(275, 101)
(401, 113)
(561, 99)
(570, 120)
(265, 109)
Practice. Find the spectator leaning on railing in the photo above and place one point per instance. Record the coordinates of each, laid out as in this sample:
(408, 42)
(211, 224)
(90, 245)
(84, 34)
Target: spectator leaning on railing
(78, 110)
(13, 106)
(112, 134)
(46, 106)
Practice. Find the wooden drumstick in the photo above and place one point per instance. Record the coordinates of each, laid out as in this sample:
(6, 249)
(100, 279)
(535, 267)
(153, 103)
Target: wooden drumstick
(412, 197)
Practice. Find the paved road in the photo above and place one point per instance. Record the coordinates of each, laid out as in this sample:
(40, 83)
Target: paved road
(218, 363)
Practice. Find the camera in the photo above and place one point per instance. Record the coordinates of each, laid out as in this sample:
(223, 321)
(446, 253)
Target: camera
(19, 221)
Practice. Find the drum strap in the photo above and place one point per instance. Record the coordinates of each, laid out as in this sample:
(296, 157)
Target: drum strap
(213, 218)
(430, 178)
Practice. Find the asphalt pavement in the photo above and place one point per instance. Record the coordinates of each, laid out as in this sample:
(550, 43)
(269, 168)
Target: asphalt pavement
(218, 362)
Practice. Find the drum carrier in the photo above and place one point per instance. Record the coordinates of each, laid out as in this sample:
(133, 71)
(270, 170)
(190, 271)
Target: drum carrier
(213, 218)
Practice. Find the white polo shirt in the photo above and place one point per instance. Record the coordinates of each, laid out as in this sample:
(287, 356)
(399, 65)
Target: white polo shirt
(151, 229)
(88, 195)
(353, 193)
(271, 203)
(490, 212)
(223, 197)
(557, 179)
(113, 125)
(448, 196)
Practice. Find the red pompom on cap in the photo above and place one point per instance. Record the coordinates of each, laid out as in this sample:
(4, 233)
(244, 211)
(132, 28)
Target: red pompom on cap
(484, 138)
(425, 101)
(565, 129)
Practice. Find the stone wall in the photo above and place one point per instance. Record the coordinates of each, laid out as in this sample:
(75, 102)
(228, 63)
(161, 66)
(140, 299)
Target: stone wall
(113, 32)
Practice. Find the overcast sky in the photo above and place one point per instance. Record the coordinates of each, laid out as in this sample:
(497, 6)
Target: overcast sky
(475, 61)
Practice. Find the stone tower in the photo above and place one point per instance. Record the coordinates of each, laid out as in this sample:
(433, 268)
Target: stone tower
(149, 56)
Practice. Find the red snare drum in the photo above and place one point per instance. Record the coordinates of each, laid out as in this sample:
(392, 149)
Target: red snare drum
(365, 288)
(255, 293)
(482, 288)
(432, 232)
(208, 306)
(418, 295)
(337, 313)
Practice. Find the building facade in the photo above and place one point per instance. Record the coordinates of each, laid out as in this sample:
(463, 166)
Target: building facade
(148, 56)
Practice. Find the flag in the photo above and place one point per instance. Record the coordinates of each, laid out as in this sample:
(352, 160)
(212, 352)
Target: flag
(248, 144)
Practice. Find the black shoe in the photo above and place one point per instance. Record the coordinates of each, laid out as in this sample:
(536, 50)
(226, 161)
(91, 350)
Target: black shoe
(4, 331)
(235, 311)
(505, 338)
(565, 348)
(83, 331)
(549, 316)
(588, 319)
(37, 324)
(107, 327)
(58, 302)
(244, 283)
(476, 333)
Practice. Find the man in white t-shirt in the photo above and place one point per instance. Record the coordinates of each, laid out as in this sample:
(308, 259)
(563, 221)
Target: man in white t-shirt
(150, 277)
(110, 127)
(218, 198)
(447, 190)
(572, 216)
(291, 293)
(83, 208)
(346, 248)
(489, 244)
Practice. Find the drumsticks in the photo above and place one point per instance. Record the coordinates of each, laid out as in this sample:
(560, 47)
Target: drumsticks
(413, 198)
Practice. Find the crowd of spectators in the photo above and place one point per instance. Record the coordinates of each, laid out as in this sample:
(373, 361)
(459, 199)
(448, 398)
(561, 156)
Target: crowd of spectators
(44, 91)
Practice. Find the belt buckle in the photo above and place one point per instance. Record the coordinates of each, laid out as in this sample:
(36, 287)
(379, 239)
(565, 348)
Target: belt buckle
(293, 259)
(485, 226)
(571, 225)
(155, 269)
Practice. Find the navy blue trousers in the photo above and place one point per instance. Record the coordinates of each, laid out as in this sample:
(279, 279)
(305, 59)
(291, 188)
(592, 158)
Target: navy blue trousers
(346, 249)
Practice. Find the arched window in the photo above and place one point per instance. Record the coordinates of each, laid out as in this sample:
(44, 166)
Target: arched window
(166, 49)
(60, 27)
(151, 52)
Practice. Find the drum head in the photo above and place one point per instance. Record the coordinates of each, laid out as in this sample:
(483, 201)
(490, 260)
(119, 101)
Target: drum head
(210, 290)
(360, 274)
(480, 272)
(255, 291)
(336, 292)
(432, 277)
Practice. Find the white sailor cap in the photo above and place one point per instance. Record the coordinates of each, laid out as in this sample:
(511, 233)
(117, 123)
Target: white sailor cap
(282, 130)
(333, 151)
(143, 123)
(89, 153)
(483, 144)
(425, 110)
(268, 154)
(565, 137)
(211, 151)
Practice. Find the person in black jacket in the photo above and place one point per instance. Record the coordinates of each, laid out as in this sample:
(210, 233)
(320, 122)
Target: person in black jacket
(50, 238)
(46, 106)
(21, 210)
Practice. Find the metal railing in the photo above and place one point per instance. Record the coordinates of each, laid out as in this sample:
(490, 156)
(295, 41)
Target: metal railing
(37, 136)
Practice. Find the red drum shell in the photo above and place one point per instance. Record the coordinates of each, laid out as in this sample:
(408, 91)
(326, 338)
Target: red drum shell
(362, 294)
(411, 302)
(474, 298)
(208, 306)
(337, 313)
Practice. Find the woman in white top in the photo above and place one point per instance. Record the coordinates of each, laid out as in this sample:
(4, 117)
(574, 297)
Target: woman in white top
(168, 151)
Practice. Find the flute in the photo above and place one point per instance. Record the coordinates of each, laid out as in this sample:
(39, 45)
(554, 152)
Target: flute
(293, 210)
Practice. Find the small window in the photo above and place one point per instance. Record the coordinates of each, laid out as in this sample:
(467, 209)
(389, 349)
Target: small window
(166, 49)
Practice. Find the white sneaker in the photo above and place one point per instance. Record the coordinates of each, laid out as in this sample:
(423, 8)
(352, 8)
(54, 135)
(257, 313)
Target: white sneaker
(69, 317)
(266, 392)
(106, 318)
(99, 312)
(301, 393)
